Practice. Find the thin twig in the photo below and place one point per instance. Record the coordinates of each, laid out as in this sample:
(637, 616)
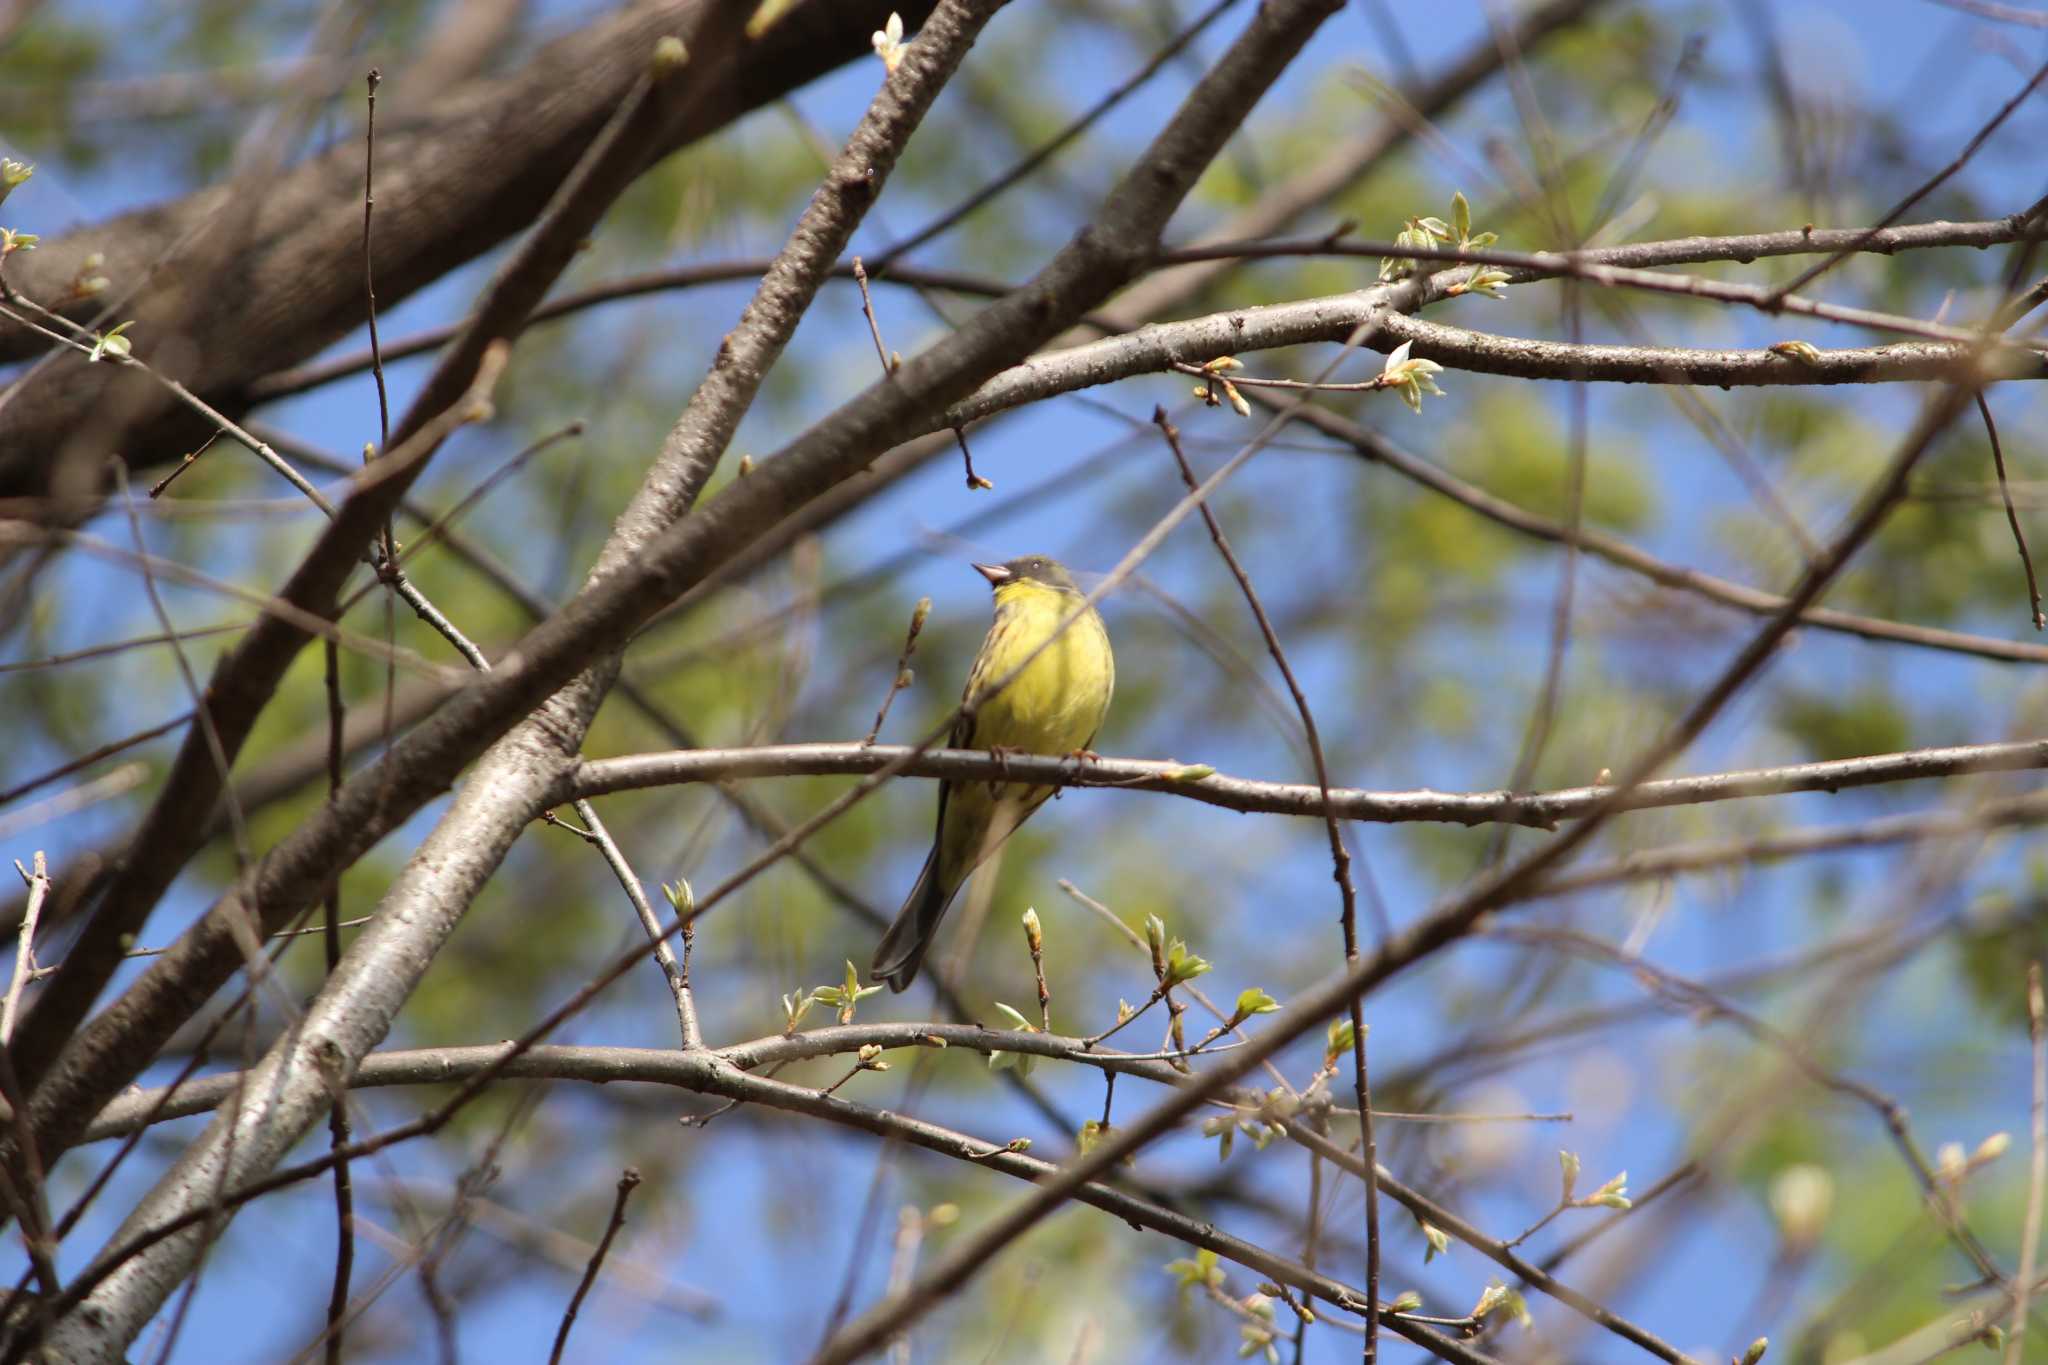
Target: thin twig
(867, 308)
(629, 1180)
(369, 275)
(2012, 516)
(902, 676)
(595, 834)
(2037, 1175)
(25, 955)
(156, 490)
(1542, 716)
(337, 1114)
(892, 362)
(1034, 939)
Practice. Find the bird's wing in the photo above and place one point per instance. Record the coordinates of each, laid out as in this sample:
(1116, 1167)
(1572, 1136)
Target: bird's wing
(961, 738)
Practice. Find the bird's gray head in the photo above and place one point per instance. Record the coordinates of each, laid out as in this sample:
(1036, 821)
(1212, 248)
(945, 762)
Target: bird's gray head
(1036, 568)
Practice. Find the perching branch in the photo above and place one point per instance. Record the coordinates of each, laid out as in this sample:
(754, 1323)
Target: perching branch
(1198, 782)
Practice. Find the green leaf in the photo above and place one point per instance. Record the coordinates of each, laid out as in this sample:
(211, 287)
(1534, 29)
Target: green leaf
(1182, 965)
(1439, 1242)
(1017, 1020)
(1252, 1001)
(1339, 1039)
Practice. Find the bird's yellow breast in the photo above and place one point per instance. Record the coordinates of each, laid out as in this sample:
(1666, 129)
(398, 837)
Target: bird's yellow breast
(1057, 703)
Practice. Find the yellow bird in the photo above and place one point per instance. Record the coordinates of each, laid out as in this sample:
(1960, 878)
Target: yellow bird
(1054, 706)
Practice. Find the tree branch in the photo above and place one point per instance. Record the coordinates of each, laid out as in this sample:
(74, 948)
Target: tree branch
(1198, 782)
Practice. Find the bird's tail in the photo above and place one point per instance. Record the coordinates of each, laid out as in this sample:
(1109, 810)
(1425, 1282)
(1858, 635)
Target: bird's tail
(903, 947)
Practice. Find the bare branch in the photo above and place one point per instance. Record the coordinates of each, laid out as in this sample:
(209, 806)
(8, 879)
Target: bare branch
(1199, 782)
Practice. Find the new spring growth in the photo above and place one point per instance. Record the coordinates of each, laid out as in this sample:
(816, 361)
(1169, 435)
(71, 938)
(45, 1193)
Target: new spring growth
(13, 175)
(1756, 1351)
(1092, 1132)
(1569, 1163)
(1801, 1197)
(112, 343)
(670, 56)
(1951, 1165)
(846, 995)
(1181, 965)
(88, 281)
(1439, 1242)
(12, 241)
(1019, 1062)
(1225, 1128)
(794, 1008)
(1220, 389)
(1408, 1302)
(1256, 1337)
(1203, 1272)
(1412, 378)
(1805, 352)
(1155, 939)
(1250, 1002)
(1034, 936)
(1426, 233)
(889, 44)
(1337, 1040)
(1499, 1297)
(870, 1057)
(681, 898)
(1612, 1195)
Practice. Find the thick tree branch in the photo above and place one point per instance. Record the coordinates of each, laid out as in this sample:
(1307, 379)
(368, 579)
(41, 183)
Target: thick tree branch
(467, 172)
(1743, 247)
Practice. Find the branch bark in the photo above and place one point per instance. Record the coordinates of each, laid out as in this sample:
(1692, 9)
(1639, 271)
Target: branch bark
(1541, 810)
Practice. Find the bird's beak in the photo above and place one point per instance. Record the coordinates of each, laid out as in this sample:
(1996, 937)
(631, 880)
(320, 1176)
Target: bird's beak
(996, 574)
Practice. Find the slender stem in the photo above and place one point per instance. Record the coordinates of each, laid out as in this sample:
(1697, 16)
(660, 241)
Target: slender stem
(2037, 1175)
(629, 1181)
(2012, 516)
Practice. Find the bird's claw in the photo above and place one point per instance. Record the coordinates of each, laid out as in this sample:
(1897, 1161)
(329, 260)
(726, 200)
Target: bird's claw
(1079, 756)
(1001, 754)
